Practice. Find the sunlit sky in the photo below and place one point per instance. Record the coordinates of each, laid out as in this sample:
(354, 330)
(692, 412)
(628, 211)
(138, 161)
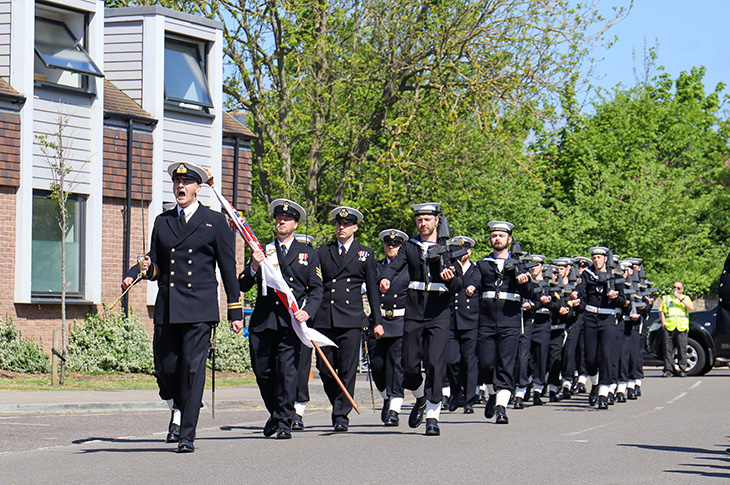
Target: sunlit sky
(687, 33)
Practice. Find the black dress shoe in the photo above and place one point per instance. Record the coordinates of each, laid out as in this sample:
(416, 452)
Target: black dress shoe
(593, 396)
(416, 417)
(602, 402)
(384, 411)
(630, 394)
(391, 419)
(610, 398)
(554, 397)
(185, 446)
(489, 407)
(455, 401)
(637, 390)
(340, 427)
(283, 433)
(501, 415)
(727, 451)
(620, 397)
(567, 393)
(269, 427)
(468, 408)
(519, 403)
(432, 427)
(173, 433)
(297, 424)
(536, 399)
(581, 388)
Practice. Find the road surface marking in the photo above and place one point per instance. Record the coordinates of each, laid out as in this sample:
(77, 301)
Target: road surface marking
(588, 429)
(695, 385)
(658, 408)
(677, 398)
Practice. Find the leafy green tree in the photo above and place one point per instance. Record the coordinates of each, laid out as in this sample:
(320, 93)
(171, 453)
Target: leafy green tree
(644, 174)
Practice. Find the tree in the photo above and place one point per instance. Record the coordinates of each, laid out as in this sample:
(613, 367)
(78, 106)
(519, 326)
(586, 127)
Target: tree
(646, 174)
(56, 148)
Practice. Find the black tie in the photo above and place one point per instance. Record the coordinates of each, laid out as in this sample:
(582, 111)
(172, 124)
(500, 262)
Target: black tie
(182, 219)
(343, 251)
(283, 251)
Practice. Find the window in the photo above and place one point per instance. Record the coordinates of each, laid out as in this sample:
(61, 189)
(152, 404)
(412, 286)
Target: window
(46, 249)
(60, 57)
(185, 82)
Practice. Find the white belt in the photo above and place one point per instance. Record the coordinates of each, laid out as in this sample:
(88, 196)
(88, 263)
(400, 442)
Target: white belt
(600, 311)
(397, 312)
(420, 285)
(502, 295)
(557, 327)
(544, 311)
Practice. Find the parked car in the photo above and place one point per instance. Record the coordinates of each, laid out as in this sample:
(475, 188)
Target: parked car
(706, 347)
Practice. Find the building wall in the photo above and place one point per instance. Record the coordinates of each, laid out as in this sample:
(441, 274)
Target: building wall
(9, 149)
(5, 39)
(123, 56)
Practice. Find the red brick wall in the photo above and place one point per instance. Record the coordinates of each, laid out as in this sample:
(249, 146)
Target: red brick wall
(243, 196)
(115, 164)
(10, 149)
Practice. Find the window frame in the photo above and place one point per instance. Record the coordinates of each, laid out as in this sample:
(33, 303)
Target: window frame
(60, 16)
(199, 47)
(80, 228)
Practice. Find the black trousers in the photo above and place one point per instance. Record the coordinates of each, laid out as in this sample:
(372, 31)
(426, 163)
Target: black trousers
(570, 354)
(522, 363)
(626, 331)
(462, 371)
(386, 364)
(180, 352)
(497, 350)
(555, 355)
(304, 367)
(539, 349)
(600, 334)
(344, 360)
(274, 354)
(425, 341)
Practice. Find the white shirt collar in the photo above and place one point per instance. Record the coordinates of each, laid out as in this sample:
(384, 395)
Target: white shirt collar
(189, 210)
(347, 246)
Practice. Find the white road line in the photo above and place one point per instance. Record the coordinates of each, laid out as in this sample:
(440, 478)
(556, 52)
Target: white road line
(695, 385)
(588, 429)
(658, 408)
(26, 424)
(677, 398)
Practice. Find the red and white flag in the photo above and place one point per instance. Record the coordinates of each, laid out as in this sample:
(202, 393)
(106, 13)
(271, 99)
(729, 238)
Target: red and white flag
(271, 277)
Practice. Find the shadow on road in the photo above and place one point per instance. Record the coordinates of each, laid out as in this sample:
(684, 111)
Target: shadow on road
(718, 468)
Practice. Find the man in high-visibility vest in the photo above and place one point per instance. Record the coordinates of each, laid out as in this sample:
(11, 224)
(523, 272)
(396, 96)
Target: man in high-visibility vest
(674, 314)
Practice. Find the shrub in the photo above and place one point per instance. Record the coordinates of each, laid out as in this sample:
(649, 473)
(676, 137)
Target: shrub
(18, 354)
(110, 342)
(232, 353)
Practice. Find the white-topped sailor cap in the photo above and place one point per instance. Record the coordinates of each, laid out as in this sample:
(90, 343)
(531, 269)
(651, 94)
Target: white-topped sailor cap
(393, 236)
(461, 241)
(347, 214)
(304, 239)
(427, 209)
(635, 261)
(602, 250)
(500, 226)
(288, 208)
(537, 258)
(188, 171)
(562, 261)
(625, 263)
(582, 261)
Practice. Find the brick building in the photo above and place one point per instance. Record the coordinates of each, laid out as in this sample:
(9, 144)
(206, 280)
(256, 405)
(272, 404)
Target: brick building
(132, 90)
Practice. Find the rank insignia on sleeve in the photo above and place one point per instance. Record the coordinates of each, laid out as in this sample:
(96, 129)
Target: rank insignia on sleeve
(303, 259)
(319, 272)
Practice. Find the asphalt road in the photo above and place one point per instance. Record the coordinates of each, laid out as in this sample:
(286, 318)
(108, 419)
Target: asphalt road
(675, 433)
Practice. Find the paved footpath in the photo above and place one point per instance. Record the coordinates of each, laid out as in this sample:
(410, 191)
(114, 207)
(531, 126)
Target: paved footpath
(676, 433)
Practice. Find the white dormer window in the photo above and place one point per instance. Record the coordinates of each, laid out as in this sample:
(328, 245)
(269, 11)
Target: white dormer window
(186, 84)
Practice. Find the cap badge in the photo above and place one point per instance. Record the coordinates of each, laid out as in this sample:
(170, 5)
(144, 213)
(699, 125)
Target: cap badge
(392, 234)
(343, 212)
(182, 168)
(286, 206)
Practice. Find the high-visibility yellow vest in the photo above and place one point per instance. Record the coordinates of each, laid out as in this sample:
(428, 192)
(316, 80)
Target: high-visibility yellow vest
(676, 315)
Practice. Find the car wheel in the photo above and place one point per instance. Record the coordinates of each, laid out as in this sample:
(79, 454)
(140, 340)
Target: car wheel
(696, 358)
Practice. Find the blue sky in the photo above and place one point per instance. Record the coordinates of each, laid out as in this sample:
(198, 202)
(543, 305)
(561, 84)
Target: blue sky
(688, 33)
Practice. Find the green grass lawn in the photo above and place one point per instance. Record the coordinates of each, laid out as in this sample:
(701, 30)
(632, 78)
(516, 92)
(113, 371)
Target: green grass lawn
(107, 382)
